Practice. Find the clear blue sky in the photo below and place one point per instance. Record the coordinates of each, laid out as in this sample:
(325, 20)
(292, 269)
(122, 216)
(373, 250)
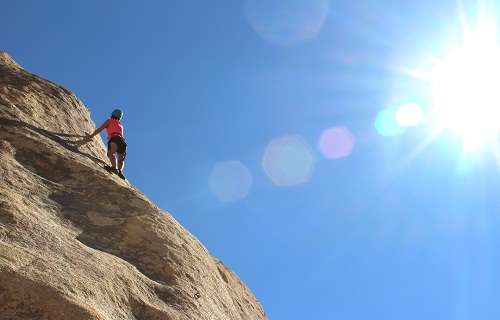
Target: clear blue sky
(257, 125)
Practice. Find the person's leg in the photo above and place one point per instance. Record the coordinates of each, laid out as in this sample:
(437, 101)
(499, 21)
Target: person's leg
(121, 152)
(121, 163)
(112, 148)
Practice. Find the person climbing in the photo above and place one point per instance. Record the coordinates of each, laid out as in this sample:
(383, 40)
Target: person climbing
(116, 142)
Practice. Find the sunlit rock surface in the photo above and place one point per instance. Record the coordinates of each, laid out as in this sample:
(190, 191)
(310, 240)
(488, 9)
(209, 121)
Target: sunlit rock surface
(79, 243)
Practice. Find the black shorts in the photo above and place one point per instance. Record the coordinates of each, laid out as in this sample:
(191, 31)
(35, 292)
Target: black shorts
(120, 142)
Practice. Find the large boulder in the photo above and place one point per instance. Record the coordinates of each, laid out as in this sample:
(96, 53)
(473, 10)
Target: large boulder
(79, 243)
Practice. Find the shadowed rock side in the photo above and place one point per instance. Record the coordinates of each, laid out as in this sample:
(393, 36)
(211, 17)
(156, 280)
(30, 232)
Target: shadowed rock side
(79, 243)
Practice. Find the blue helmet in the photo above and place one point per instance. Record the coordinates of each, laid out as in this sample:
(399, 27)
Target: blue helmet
(117, 114)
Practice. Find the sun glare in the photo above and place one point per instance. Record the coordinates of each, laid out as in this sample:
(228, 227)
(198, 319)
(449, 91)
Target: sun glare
(466, 88)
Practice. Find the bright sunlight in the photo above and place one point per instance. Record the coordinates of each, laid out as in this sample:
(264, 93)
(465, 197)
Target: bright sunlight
(466, 88)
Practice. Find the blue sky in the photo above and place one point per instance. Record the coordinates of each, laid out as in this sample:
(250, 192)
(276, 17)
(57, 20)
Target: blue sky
(256, 124)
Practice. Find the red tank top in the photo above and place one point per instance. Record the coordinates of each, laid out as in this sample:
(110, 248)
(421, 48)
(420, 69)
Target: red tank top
(114, 128)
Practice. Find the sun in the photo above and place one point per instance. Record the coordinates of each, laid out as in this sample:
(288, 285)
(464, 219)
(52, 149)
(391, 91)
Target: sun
(466, 88)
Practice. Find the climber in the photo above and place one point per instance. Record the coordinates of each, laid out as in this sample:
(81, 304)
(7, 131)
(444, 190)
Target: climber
(116, 142)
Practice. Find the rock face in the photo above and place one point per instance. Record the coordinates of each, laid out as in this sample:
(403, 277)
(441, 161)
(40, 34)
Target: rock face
(71, 246)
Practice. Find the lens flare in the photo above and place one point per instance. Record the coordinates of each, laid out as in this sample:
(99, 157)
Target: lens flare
(288, 161)
(409, 115)
(336, 142)
(230, 180)
(286, 22)
(387, 123)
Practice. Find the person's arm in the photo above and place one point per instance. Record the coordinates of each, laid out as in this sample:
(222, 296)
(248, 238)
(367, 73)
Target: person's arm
(96, 132)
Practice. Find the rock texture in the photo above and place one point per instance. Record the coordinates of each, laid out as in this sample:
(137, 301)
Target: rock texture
(79, 243)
